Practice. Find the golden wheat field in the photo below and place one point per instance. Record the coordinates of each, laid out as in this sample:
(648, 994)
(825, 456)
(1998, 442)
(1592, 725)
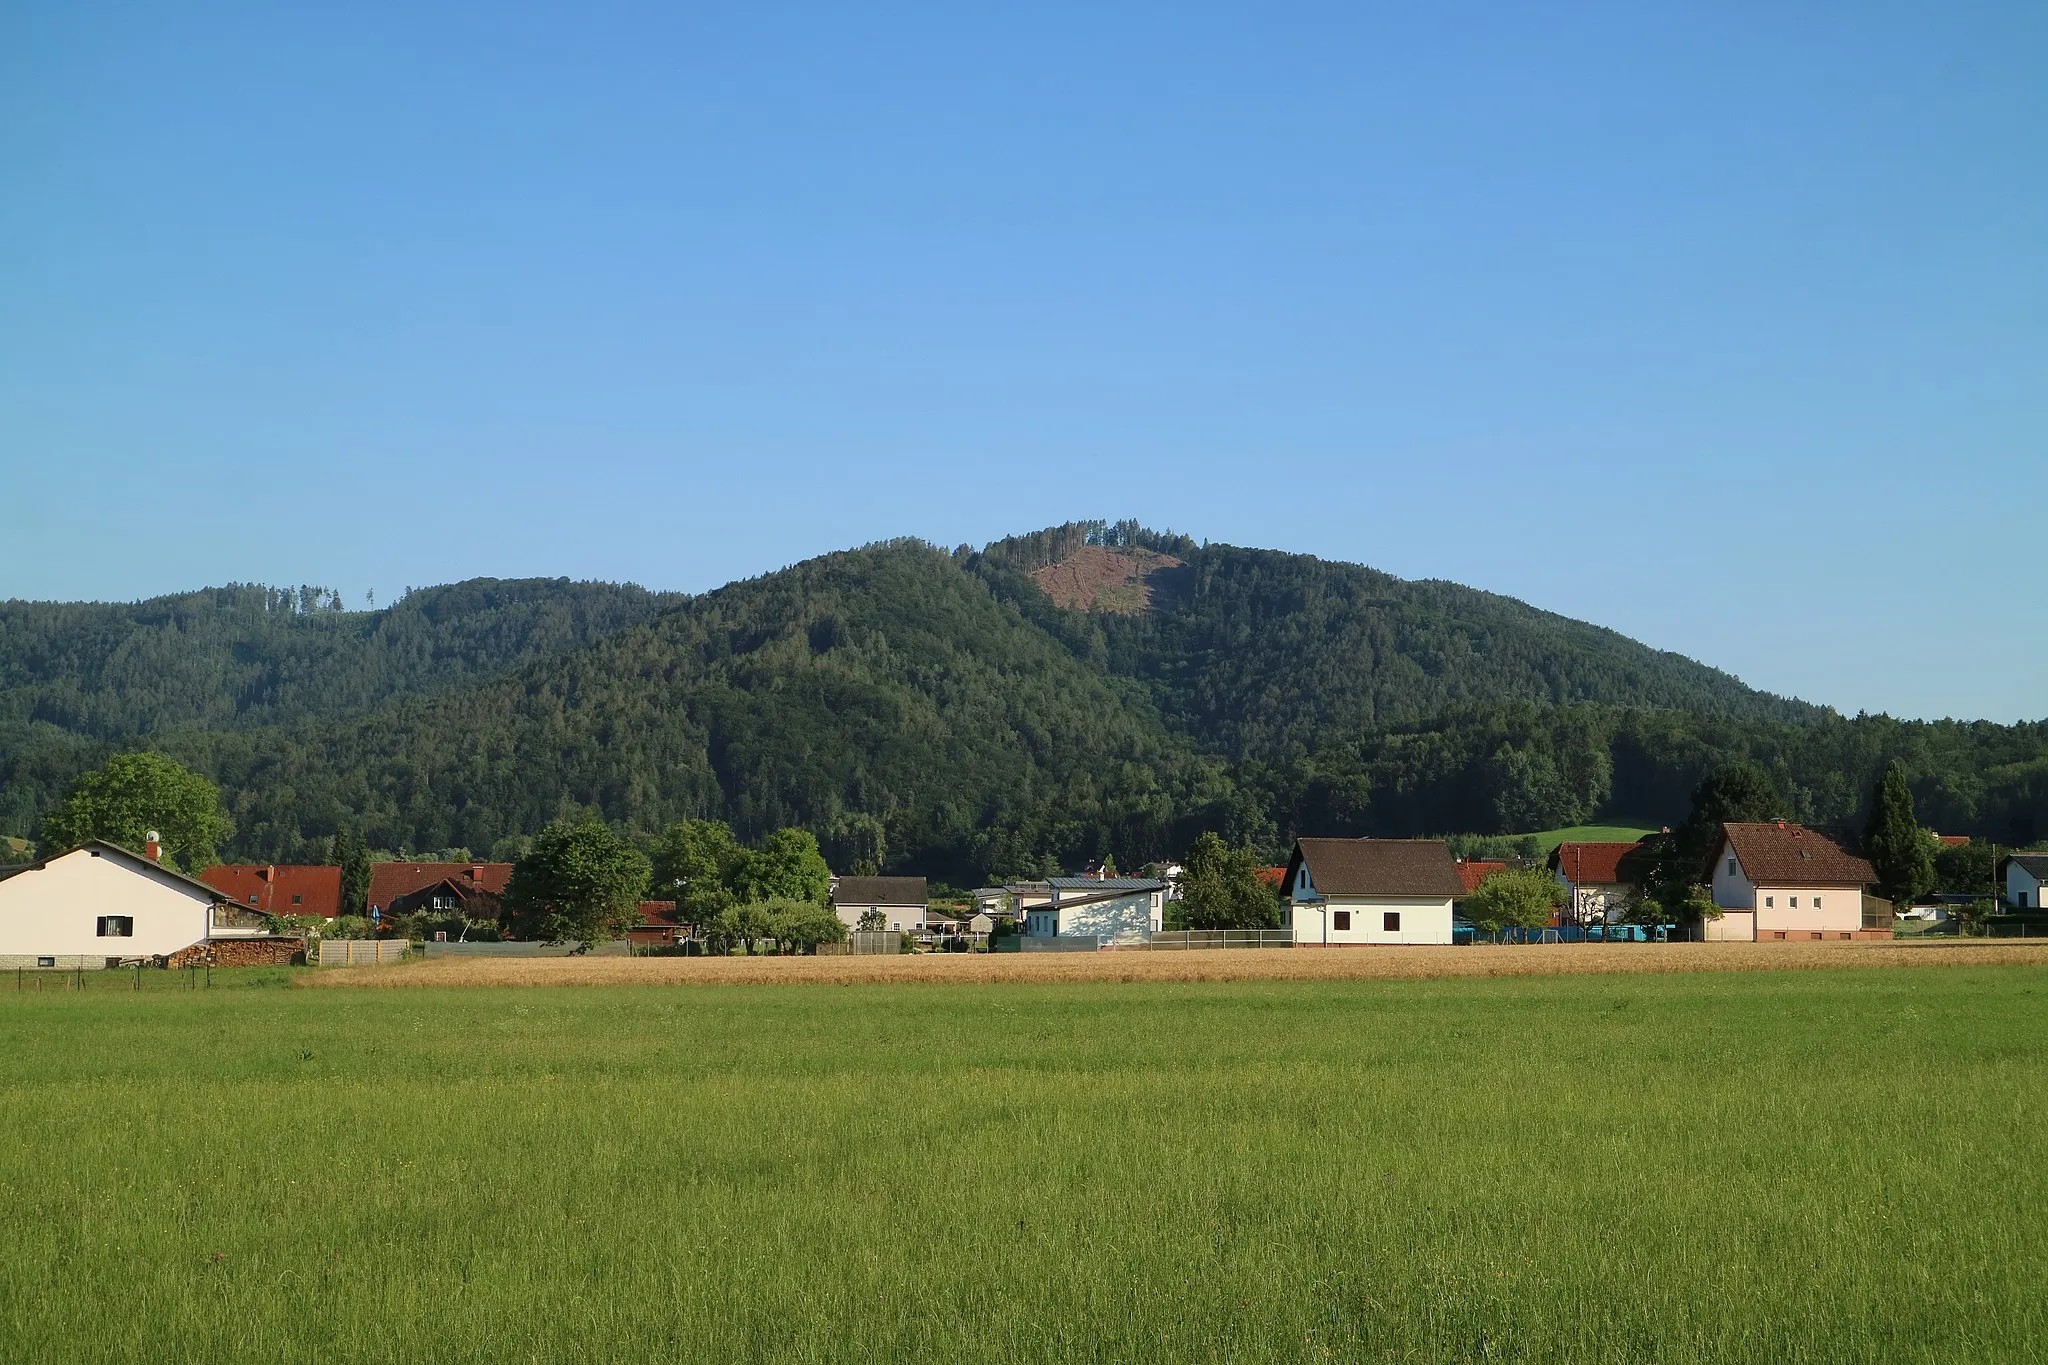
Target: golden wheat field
(1229, 964)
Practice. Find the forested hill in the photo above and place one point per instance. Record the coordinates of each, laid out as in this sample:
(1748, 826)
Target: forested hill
(1259, 654)
(948, 700)
(249, 655)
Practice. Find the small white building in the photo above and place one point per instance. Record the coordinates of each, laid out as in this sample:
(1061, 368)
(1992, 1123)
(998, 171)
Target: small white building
(2026, 878)
(902, 901)
(1784, 881)
(1113, 910)
(99, 905)
(1599, 877)
(1366, 891)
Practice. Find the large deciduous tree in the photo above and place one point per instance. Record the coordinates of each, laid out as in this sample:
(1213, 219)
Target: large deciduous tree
(132, 794)
(1515, 898)
(1220, 888)
(1900, 851)
(580, 882)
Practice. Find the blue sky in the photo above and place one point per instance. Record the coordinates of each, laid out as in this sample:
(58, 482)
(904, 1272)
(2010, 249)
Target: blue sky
(1725, 325)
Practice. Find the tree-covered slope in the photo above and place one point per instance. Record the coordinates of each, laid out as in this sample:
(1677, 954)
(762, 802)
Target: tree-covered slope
(885, 681)
(246, 655)
(1265, 655)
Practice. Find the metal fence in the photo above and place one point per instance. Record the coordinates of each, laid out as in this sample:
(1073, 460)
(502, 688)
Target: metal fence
(359, 952)
(1186, 939)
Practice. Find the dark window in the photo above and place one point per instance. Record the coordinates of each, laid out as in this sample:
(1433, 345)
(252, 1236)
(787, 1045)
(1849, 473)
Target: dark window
(117, 926)
(1391, 921)
(298, 900)
(1340, 920)
(51, 961)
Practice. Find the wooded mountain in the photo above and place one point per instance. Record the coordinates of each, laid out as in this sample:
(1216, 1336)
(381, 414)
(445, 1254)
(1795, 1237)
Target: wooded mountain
(949, 696)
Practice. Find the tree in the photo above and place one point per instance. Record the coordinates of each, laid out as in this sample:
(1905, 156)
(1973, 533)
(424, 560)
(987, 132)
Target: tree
(746, 924)
(1894, 842)
(873, 920)
(1515, 898)
(349, 853)
(132, 794)
(580, 882)
(699, 864)
(790, 867)
(1220, 888)
(1738, 793)
(800, 926)
(1966, 867)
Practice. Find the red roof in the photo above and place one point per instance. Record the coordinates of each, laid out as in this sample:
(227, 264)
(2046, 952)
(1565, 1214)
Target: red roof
(1953, 840)
(1273, 876)
(269, 889)
(1473, 871)
(389, 881)
(1594, 864)
(658, 913)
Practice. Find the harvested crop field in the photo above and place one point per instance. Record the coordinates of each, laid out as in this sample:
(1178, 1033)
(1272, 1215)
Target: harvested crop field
(1229, 964)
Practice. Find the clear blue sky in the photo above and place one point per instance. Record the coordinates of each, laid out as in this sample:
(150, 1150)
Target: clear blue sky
(1722, 324)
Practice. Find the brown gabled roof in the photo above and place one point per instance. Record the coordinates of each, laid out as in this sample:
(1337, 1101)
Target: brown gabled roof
(1597, 864)
(389, 881)
(1376, 867)
(1783, 854)
(880, 891)
(1473, 871)
(658, 914)
(268, 888)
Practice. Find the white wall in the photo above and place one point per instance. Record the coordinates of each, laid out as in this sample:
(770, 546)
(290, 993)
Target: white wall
(2022, 888)
(1422, 921)
(906, 918)
(1732, 890)
(54, 912)
(1121, 919)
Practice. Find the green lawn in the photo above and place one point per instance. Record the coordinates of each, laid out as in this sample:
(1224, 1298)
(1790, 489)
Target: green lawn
(1816, 1166)
(1549, 839)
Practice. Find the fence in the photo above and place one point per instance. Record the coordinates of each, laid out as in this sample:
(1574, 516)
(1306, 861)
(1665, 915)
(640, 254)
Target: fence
(1185, 939)
(524, 948)
(360, 952)
(874, 942)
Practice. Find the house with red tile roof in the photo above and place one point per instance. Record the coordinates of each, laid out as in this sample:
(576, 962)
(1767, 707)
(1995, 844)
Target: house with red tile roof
(279, 889)
(1779, 880)
(1472, 871)
(658, 926)
(472, 890)
(1600, 878)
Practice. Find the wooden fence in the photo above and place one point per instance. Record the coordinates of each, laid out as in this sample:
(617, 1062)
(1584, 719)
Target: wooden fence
(359, 952)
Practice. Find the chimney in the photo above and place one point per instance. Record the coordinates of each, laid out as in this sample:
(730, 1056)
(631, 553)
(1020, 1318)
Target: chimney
(152, 849)
(476, 874)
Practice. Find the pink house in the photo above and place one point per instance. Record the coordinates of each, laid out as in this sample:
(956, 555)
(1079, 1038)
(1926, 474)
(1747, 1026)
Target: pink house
(1784, 881)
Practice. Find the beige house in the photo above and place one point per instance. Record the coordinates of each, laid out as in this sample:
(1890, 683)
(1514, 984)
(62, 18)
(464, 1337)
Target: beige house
(1784, 881)
(901, 900)
(1370, 891)
(100, 905)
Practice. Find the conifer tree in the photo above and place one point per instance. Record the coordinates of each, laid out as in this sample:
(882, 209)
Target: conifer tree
(1893, 841)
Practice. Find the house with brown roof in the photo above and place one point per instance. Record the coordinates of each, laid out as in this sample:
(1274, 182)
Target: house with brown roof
(1600, 877)
(1779, 880)
(279, 889)
(1370, 891)
(101, 905)
(901, 900)
(472, 890)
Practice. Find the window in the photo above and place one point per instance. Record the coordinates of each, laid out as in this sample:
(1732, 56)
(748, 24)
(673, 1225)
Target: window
(252, 898)
(1391, 921)
(1731, 867)
(51, 961)
(298, 900)
(1816, 902)
(1795, 902)
(1767, 902)
(1341, 921)
(117, 926)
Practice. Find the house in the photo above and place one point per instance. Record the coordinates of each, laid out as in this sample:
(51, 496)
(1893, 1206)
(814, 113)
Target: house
(1600, 877)
(1783, 881)
(1357, 891)
(1112, 910)
(270, 889)
(100, 905)
(2026, 878)
(471, 890)
(900, 899)
(658, 926)
(1472, 871)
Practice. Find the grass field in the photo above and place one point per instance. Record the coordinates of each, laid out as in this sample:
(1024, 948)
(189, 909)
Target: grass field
(1549, 839)
(1762, 1166)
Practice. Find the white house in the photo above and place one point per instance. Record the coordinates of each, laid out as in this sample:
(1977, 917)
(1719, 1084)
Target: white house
(901, 900)
(98, 905)
(1110, 909)
(2026, 878)
(1783, 881)
(1361, 891)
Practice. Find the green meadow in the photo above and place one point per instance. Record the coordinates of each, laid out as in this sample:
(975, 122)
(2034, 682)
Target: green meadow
(1771, 1167)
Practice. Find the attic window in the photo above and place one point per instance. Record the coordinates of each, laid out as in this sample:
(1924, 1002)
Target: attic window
(252, 898)
(1731, 867)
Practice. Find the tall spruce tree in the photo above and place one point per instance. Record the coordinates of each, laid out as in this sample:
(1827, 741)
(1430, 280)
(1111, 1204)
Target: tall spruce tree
(1893, 841)
(351, 854)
